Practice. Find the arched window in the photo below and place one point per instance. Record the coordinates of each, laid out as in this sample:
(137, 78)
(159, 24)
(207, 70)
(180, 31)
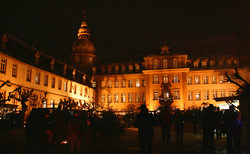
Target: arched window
(155, 64)
(165, 63)
(175, 63)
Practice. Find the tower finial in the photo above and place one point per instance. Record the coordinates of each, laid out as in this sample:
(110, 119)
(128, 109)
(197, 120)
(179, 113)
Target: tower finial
(83, 32)
(165, 48)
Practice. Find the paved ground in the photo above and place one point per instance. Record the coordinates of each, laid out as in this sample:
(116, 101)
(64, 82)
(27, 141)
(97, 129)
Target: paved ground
(14, 142)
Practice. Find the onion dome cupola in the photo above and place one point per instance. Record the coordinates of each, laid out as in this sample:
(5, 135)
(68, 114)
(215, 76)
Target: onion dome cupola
(83, 56)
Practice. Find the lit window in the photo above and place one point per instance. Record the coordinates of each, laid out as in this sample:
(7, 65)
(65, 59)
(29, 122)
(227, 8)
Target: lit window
(109, 84)
(137, 82)
(94, 84)
(75, 89)
(212, 63)
(155, 64)
(59, 84)
(130, 83)
(231, 93)
(123, 98)
(197, 95)
(110, 70)
(221, 78)
(38, 74)
(123, 83)
(143, 97)
(213, 79)
(130, 97)
(176, 94)
(222, 93)
(165, 94)
(103, 84)
(28, 77)
(205, 79)
(156, 95)
(85, 92)
(189, 80)
(45, 80)
(137, 97)
(116, 98)
(103, 98)
(197, 79)
(123, 69)
(81, 91)
(116, 84)
(3, 65)
(155, 80)
(190, 95)
(143, 82)
(70, 87)
(175, 63)
(53, 82)
(103, 70)
(14, 70)
(130, 68)
(109, 98)
(116, 69)
(176, 79)
(137, 68)
(165, 79)
(165, 63)
(52, 103)
(206, 95)
(65, 86)
(214, 93)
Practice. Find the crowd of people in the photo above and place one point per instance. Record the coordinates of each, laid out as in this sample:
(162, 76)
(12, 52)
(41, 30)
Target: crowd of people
(210, 120)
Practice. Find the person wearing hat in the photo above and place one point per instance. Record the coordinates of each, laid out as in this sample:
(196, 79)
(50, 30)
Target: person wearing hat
(145, 124)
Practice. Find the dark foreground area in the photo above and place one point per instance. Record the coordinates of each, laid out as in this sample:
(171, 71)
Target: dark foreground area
(14, 142)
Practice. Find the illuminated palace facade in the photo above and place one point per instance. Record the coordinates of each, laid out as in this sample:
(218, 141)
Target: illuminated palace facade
(189, 83)
(118, 86)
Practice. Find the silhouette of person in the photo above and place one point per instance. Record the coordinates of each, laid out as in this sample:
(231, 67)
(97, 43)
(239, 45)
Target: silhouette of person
(218, 123)
(165, 120)
(208, 125)
(145, 123)
(195, 120)
(179, 125)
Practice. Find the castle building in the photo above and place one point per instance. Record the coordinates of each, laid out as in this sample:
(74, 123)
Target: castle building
(162, 79)
(156, 80)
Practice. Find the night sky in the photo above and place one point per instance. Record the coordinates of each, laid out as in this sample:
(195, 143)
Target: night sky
(132, 28)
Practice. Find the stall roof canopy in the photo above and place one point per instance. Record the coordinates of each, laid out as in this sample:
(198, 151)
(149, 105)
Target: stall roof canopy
(227, 98)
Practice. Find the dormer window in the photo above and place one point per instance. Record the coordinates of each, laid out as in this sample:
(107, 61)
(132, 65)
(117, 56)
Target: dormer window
(220, 63)
(229, 62)
(137, 68)
(130, 68)
(103, 70)
(175, 63)
(196, 64)
(155, 64)
(94, 70)
(165, 63)
(64, 70)
(110, 70)
(204, 64)
(74, 73)
(37, 56)
(212, 63)
(116, 69)
(123, 69)
(52, 64)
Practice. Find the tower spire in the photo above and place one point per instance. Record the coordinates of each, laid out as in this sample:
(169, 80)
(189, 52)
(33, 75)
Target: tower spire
(83, 32)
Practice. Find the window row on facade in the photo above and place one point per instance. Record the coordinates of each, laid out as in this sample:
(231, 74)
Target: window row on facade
(205, 79)
(119, 69)
(208, 94)
(123, 83)
(42, 78)
(212, 63)
(123, 98)
(166, 94)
